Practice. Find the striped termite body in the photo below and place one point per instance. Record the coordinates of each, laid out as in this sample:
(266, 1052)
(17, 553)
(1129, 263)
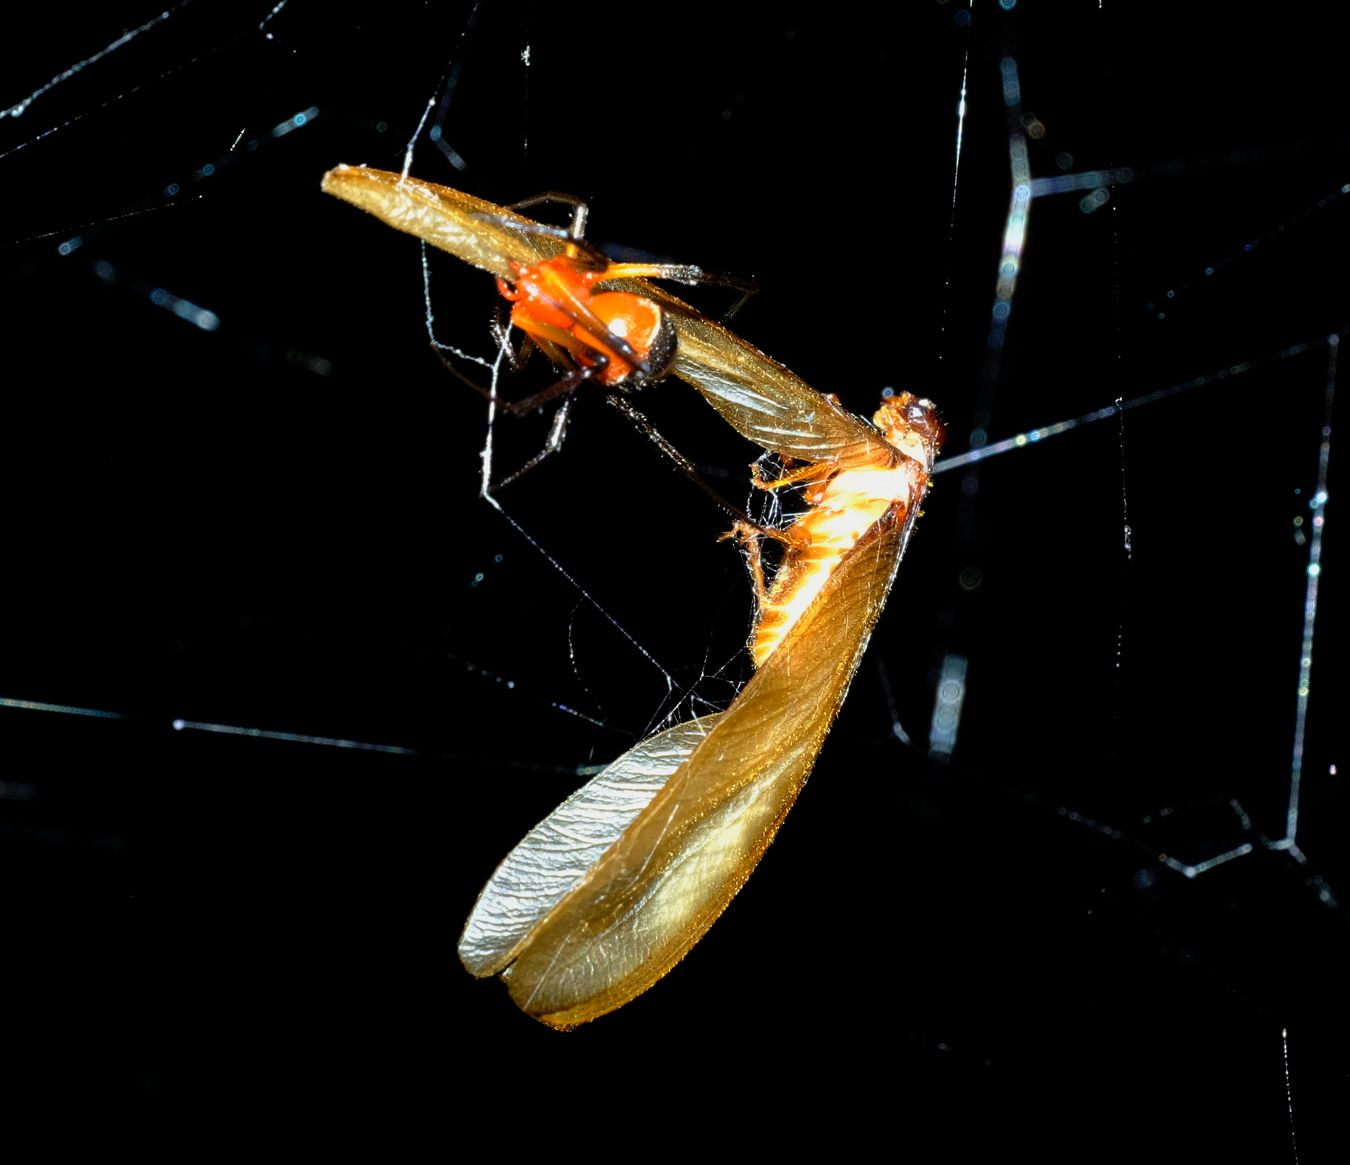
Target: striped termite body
(844, 504)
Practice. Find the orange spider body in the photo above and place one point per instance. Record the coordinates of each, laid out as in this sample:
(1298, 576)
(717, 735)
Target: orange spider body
(624, 338)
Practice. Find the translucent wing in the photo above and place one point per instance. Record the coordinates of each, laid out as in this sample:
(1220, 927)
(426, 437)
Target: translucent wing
(559, 852)
(672, 870)
(758, 397)
(769, 405)
(478, 232)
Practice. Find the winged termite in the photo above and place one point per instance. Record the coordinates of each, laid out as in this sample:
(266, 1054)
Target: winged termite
(614, 887)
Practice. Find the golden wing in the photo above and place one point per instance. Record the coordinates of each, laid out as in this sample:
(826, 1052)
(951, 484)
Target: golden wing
(535, 876)
(757, 396)
(615, 924)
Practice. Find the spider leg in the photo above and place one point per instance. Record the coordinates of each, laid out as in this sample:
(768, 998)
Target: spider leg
(529, 404)
(501, 335)
(461, 376)
(564, 388)
(643, 424)
(557, 197)
(573, 234)
(557, 433)
(688, 274)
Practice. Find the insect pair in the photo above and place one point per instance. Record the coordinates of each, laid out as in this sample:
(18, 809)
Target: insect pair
(623, 340)
(616, 885)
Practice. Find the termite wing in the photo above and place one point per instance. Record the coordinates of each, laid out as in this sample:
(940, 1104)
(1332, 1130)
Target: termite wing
(612, 889)
(758, 397)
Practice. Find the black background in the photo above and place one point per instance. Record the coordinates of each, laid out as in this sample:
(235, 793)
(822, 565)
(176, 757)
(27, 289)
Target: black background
(275, 525)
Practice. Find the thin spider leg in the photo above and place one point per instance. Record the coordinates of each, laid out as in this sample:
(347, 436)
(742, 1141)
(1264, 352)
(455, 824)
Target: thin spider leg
(689, 274)
(501, 335)
(573, 235)
(592, 257)
(579, 248)
(545, 197)
(595, 257)
(519, 408)
(679, 272)
(557, 197)
(461, 376)
(747, 291)
(644, 426)
(557, 433)
(564, 388)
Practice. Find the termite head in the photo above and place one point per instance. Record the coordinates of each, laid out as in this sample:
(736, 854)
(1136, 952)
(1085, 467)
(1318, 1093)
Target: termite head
(912, 425)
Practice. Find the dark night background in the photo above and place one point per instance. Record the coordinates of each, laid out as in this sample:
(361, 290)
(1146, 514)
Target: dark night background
(274, 525)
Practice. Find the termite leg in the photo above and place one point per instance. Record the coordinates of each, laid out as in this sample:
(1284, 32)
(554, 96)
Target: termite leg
(812, 471)
(748, 535)
(744, 531)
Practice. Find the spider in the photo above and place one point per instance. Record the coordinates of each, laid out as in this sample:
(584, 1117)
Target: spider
(622, 340)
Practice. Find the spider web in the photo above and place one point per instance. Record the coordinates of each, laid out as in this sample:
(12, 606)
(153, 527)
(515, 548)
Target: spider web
(243, 496)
